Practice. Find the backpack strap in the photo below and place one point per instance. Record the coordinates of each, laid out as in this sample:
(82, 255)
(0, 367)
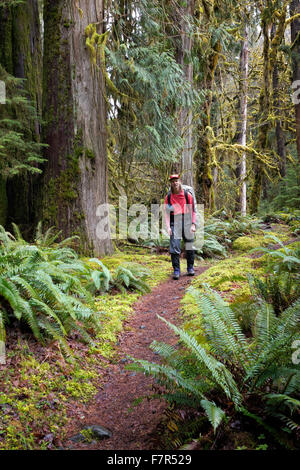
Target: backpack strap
(186, 196)
(171, 212)
(186, 193)
(169, 198)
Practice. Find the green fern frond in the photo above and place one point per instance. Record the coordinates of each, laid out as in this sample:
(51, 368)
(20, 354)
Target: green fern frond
(213, 412)
(218, 372)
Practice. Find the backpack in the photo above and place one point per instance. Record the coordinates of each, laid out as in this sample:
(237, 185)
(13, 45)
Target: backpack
(187, 189)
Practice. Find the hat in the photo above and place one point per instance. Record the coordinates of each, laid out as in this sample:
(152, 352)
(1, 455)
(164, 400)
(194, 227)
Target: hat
(173, 177)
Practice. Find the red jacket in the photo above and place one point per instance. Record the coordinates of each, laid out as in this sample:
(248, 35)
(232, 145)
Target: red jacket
(180, 206)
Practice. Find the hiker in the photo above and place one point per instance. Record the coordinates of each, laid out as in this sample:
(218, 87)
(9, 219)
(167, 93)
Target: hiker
(180, 218)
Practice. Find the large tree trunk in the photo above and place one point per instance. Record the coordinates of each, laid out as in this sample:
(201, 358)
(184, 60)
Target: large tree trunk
(295, 37)
(185, 116)
(21, 56)
(75, 180)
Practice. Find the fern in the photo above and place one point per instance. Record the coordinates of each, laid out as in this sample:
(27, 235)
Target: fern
(258, 370)
(214, 413)
(131, 276)
(44, 286)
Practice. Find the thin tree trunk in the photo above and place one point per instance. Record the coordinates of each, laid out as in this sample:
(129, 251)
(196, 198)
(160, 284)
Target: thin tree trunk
(270, 51)
(75, 180)
(264, 103)
(295, 37)
(243, 114)
(185, 117)
(280, 136)
(203, 155)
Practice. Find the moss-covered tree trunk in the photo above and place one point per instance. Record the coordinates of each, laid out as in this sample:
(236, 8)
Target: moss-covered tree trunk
(270, 52)
(264, 103)
(243, 118)
(21, 56)
(295, 37)
(75, 179)
(203, 155)
(185, 167)
(277, 110)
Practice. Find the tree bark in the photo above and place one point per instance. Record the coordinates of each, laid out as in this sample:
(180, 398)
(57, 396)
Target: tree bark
(279, 133)
(243, 117)
(203, 155)
(185, 116)
(21, 56)
(295, 37)
(75, 180)
(270, 51)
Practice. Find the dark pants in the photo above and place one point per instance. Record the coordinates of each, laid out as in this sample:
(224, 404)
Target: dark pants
(181, 226)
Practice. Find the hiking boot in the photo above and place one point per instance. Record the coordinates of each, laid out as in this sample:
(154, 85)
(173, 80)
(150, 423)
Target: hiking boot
(176, 274)
(176, 265)
(190, 256)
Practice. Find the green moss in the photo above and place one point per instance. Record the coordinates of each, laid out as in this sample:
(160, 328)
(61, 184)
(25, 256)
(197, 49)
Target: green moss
(62, 190)
(229, 278)
(89, 154)
(247, 243)
(37, 395)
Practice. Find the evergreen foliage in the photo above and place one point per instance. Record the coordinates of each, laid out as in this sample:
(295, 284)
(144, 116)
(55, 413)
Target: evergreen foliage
(131, 276)
(19, 151)
(43, 287)
(257, 376)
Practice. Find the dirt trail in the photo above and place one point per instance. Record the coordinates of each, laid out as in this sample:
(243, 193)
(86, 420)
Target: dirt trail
(133, 428)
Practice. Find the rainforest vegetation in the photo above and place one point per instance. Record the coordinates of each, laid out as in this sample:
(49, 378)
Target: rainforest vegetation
(100, 101)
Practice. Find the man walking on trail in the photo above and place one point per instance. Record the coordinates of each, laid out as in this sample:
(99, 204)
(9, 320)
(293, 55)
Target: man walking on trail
(180, 218)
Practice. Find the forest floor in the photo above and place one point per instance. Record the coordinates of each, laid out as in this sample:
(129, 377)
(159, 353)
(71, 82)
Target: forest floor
(140, 426)
(134, 427)
(45, 402)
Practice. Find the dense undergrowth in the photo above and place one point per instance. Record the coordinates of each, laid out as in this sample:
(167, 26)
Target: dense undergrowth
(234, 361)
(44, 384)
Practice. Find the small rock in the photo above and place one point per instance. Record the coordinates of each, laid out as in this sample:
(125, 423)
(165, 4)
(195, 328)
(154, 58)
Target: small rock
(77, 438)
(132, 374)
(123, 361)
(97, 431)
(142, 327)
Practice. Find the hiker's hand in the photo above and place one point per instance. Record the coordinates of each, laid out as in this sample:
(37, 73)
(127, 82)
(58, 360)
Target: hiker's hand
(193, 228)
(170, 231)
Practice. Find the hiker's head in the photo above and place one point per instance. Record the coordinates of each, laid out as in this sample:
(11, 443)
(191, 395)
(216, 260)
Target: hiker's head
(175, 183)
